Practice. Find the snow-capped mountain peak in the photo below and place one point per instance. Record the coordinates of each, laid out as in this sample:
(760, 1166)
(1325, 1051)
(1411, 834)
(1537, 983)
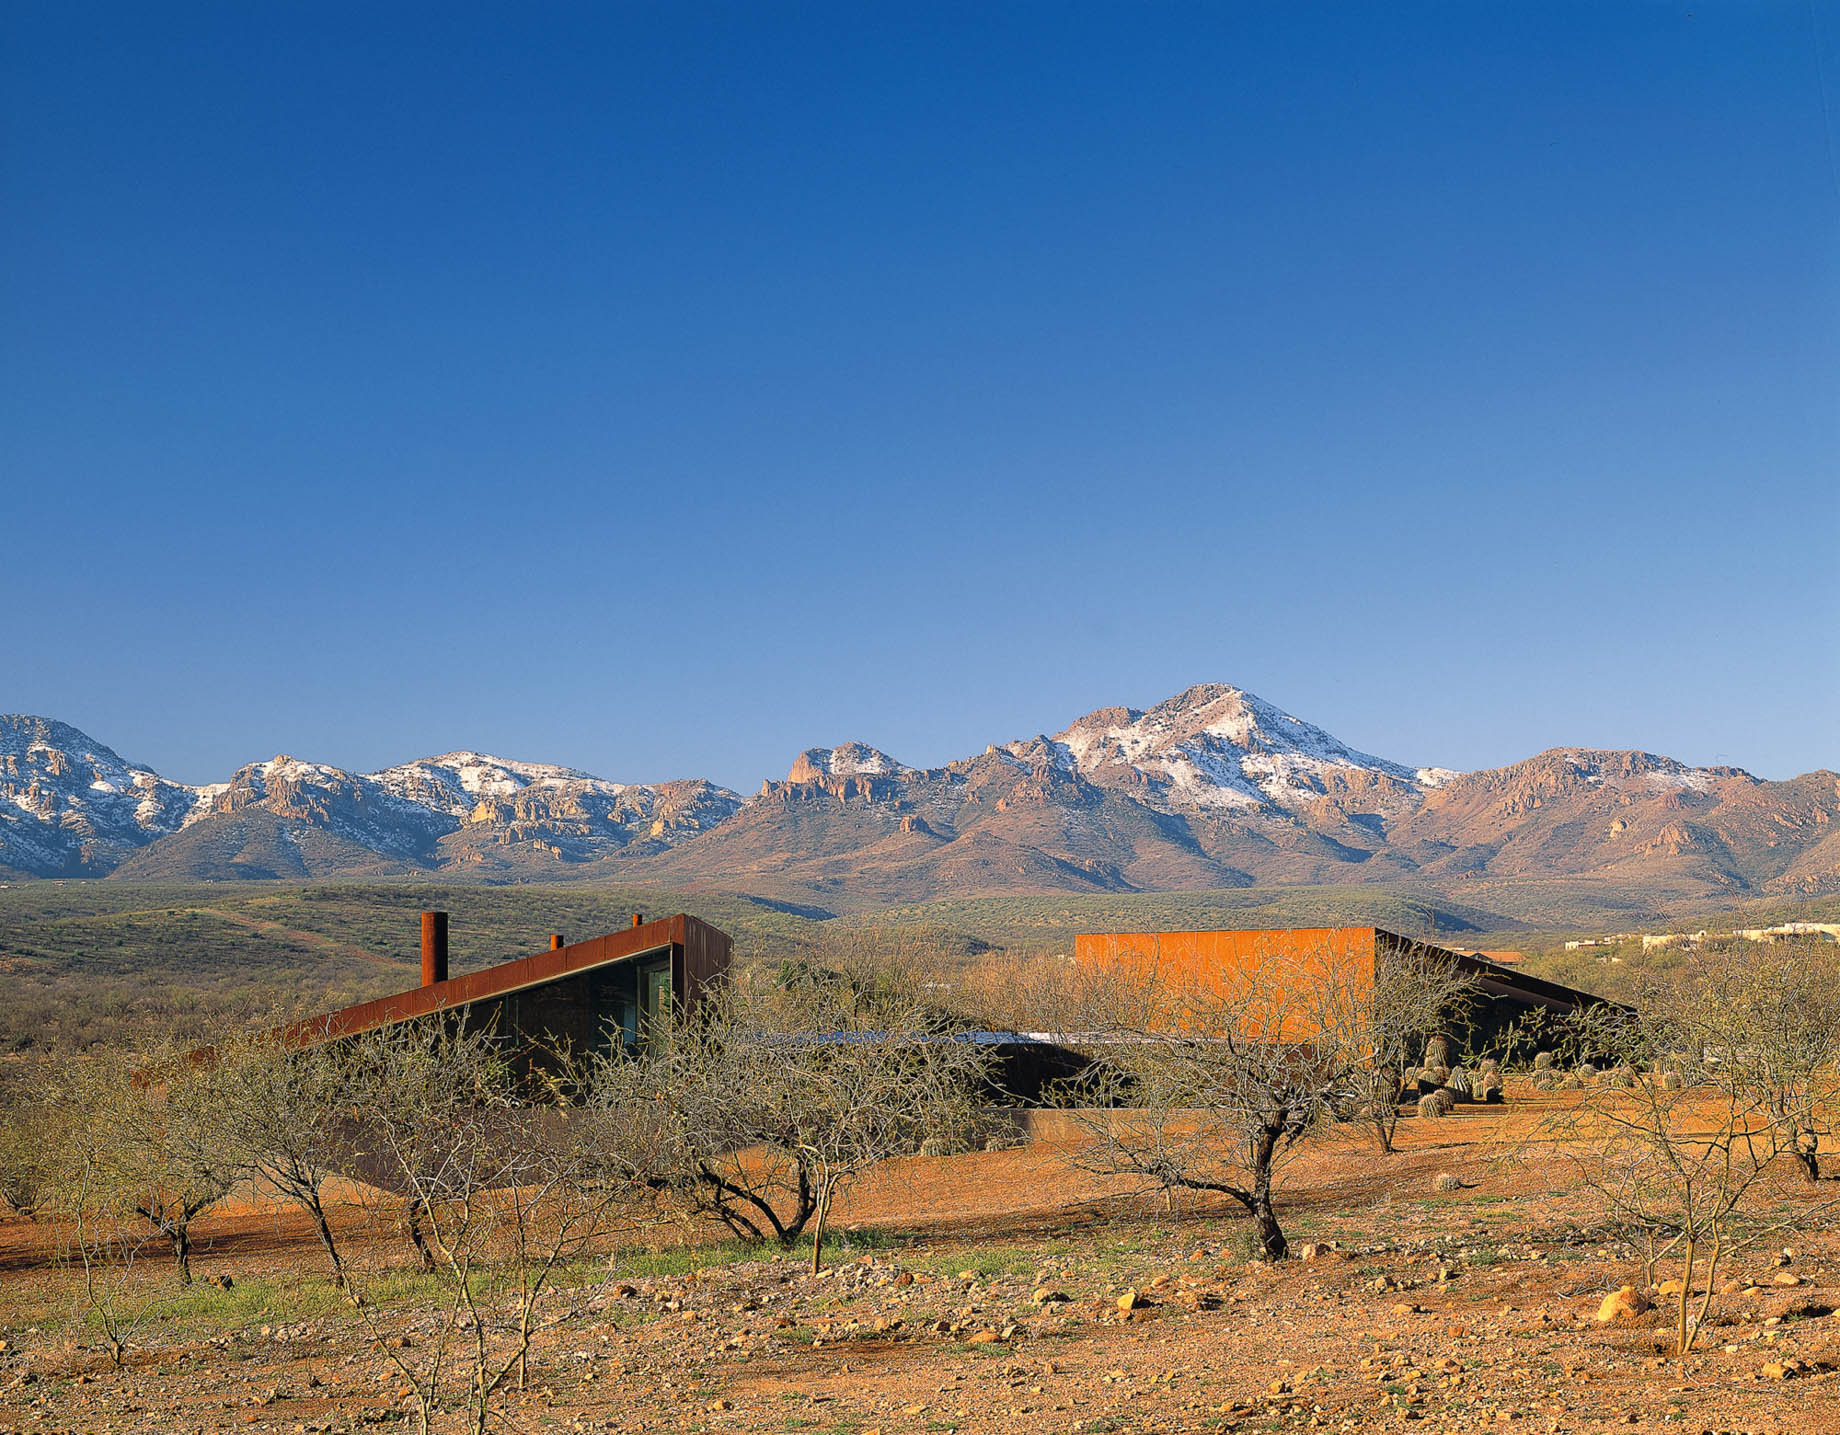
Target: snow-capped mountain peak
(851, 759)
(1220, 747)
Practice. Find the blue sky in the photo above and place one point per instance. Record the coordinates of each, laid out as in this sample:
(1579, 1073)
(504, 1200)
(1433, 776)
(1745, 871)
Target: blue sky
(664, 389)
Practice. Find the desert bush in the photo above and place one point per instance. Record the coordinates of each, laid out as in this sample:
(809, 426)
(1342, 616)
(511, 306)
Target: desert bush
(1446, 1182)
(1542, 1061)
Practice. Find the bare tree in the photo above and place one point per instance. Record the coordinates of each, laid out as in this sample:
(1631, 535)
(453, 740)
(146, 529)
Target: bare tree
(93, 1180)
(1766, 1022)
(176, 1162)
(1737, 1068)
(287, 1118)
(25, 1157)
(511, 1184)
(1675, 1163)
(783, 1095)
(1416, 995)
(1208, 1082)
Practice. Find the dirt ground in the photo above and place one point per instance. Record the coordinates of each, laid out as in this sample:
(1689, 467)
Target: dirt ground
(988, 1292)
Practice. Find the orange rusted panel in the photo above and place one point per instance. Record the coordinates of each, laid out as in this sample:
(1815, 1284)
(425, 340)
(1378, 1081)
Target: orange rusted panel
(1287, 985)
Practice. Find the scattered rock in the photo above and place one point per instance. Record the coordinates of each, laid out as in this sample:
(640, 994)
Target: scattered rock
(1624, 1304)
(1130, 1300)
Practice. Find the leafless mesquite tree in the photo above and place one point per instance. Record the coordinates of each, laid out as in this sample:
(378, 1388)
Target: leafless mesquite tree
(1208, 1084)
(139, 1134)
(1415, 996)
(782, 1095)
(25, 1156)
(1676, 1163)
(1764, 1024)
(511, 1184)
(94, 1179)
(287, 1117)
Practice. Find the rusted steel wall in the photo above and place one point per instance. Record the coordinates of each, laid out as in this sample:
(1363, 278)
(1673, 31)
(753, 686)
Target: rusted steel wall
(1268, 977)
(707, 953)
(1288, 985)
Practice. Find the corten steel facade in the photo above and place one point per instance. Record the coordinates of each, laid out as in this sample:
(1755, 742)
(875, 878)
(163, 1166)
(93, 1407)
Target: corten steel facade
(586, 996)
(1348, 955)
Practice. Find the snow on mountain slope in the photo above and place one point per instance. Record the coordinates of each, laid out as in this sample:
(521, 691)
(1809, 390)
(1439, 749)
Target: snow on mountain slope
(1220, 748)
(457, 782)
(351, 805)
(851, 759)
(69, 805)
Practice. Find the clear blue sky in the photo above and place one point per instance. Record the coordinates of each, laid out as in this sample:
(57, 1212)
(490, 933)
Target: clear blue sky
(665, 389)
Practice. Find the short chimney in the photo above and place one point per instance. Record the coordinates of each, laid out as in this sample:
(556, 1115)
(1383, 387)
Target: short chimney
(434, 948)
(638, 918)
(555, 941)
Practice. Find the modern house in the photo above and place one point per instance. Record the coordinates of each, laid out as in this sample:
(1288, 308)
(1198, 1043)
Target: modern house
(587, 996)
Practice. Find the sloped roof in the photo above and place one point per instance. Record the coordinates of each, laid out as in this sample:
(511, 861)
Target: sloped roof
(517, 975)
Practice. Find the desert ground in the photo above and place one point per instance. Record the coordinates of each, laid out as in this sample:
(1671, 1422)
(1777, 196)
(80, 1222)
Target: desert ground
(1002, 1290)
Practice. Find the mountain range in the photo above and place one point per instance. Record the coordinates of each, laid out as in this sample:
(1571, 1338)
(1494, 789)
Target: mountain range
(1212, 788)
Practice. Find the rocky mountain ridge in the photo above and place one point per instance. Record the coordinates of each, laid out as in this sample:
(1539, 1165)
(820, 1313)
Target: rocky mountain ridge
(72, 807)
(1212, 788)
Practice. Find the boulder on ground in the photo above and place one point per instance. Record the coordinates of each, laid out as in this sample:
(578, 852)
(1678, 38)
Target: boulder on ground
(1624, 1304)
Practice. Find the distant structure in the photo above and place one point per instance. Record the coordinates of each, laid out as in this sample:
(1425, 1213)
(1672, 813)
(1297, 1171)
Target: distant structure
(1652, 941)
(1504, 995)
(590, 996)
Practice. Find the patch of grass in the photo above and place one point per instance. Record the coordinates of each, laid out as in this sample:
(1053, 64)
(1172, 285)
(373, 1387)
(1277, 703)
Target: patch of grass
(257, 1301)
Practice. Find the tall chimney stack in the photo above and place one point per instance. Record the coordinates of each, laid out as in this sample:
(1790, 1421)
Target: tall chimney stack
(434, 948)
(638, 918)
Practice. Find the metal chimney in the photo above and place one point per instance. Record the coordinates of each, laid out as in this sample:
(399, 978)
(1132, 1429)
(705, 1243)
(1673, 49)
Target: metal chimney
(555, 941)
(434, 948)
(638, 918)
